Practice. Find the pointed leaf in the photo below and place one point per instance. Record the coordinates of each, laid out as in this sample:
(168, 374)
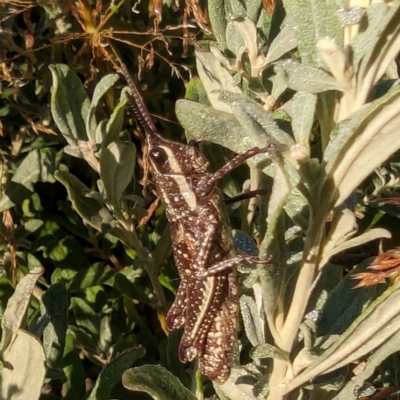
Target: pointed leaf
(335, 57)
(106, 336)
(21, 185)
(37, 166)
(114, 124)
(100, 90)
(303, 77)
(284, 42)
(55, 306)
(69, 104)
(237, 9)
(157, 382)
(253, 8)
(373, 234)
(242, 38)
(117, 165)
(279, 193)
(342, 227)
(17, 305)
(215, 77)
(258, 124)
(85, 317)
(345, 304)
(218, 21)
(278, 88)
(234, 40)
(215, 126)
(303, 112)
(270, 280)
(90, 210)
(312, 21)
(101, 132)
(367, 38)
(253, 322)
(372, 137)
(93, 275)
(380, 53)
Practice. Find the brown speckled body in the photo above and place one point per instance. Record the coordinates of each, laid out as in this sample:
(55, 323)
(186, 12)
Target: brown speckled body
(206, 304)
(201, 237)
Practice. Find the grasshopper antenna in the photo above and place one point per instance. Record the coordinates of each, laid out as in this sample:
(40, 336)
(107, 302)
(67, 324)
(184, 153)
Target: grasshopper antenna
(136, 103)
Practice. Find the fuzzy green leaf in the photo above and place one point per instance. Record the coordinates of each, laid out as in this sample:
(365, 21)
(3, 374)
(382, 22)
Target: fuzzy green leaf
(37, 166)
(86, 318)
(237, 9)
(312, 20)
(303, 77)
(69, 104)
(284, 42)
(382, 49)
(117, 165)
(373, 234)
(303, 112)
(95, 274)
(368, 134)
(101, 89)
(115, 123)
(367, 38)
(90, 210)
(17, 306)
(258, 124)
(254, 323)
(344, 304)
(253, 8)
(215, 77)
(216, 11)
(234, 39)
(55, 306)
(244, 36)
(215, 126)
(157, 382)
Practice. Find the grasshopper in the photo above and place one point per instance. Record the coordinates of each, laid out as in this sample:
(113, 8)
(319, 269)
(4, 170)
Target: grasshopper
(206, 304)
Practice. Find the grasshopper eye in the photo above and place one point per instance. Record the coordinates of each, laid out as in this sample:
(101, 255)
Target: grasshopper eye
(158, 155)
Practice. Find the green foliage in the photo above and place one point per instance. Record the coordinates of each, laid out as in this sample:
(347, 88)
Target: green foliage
(86, 274)
(314, 172)
(157, 382)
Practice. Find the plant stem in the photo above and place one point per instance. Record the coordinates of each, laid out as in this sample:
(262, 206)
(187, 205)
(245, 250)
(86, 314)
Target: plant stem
(305, 279)
(299, 301)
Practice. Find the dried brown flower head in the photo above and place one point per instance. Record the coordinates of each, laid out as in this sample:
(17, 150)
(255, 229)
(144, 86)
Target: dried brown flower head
(385, 265)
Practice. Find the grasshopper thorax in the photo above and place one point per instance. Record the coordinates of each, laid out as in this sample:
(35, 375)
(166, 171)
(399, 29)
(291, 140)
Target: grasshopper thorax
(177, 169)
(172, 158)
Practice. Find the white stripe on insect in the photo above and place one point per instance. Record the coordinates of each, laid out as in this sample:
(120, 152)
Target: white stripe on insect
(183, 184)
